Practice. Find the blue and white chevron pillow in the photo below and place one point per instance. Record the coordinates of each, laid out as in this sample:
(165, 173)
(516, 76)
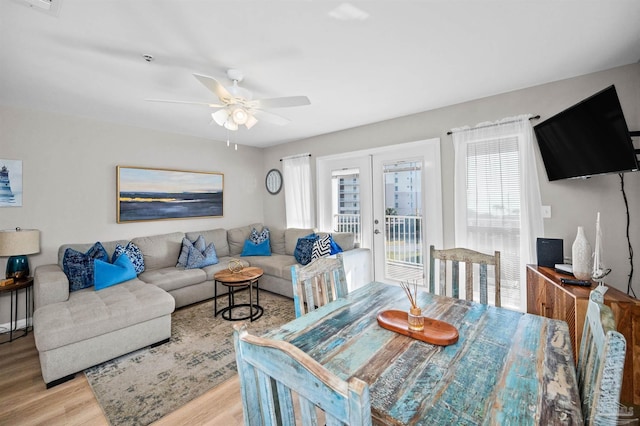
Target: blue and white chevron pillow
(321, 247)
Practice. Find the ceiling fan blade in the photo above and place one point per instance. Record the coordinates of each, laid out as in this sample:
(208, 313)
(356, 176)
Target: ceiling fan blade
(284, 102)
(270, 117)
(217, 88)
(187, 102)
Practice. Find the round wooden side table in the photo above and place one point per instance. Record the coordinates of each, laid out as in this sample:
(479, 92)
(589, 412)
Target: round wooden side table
(245, 278)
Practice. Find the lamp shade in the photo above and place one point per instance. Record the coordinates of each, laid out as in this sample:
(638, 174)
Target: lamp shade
(16, 242)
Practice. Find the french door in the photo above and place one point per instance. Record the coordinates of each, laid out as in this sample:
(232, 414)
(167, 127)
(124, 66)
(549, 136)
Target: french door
(407, 210)
(391, 198)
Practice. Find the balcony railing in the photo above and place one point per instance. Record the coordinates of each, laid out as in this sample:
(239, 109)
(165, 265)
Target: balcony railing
(403, 246)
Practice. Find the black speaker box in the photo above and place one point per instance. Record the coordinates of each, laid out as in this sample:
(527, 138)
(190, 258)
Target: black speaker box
(549, 251)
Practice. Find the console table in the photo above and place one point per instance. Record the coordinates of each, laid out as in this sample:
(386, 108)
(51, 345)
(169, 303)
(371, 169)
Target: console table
(548, 297)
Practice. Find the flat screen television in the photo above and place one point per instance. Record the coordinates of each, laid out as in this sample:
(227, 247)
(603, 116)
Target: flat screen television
(589, 138)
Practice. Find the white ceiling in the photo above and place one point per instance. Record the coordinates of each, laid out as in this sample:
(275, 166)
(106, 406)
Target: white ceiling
(406, 57)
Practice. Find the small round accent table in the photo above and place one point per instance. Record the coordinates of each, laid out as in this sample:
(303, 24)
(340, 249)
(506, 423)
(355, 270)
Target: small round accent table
(25, 284)
(245, 278)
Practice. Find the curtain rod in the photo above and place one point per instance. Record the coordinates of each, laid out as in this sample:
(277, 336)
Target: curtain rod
(295, 156)
(535, 117)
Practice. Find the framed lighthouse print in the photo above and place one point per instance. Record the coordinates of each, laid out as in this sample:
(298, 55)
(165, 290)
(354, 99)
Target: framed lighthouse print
(10, 183)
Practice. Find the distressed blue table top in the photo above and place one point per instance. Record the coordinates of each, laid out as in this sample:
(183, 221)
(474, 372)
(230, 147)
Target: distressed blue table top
(507, 368)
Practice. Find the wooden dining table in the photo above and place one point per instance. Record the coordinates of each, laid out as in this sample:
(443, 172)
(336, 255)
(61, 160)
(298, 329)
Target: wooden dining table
(507, 367)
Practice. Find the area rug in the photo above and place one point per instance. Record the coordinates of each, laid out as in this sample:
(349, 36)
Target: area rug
(143, 386)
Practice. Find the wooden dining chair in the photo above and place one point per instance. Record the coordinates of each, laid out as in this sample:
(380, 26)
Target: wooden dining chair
(600, 363)
(318, 283)
(454, 257)
(280, 383)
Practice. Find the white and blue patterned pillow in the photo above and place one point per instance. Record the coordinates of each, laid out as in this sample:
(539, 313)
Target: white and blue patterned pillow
(133, 253)
(79, 268)
(321, 247)
(200, 259)
(259, 237)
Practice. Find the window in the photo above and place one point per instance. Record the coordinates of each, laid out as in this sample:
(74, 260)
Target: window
(497, 199)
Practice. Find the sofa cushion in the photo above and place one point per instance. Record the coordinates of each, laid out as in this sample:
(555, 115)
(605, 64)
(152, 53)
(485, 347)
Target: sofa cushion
(304, 249)
(90, 313)
(291, 236)
(276, 237)
(277, 265)
(172, 278)
(79, 267)
(160, 251)
(346, 240)
(216, 236)
(237, 237)
(133, 253)
(108, 274)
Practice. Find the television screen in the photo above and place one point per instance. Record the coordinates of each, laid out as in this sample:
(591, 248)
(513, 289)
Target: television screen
(589, 138)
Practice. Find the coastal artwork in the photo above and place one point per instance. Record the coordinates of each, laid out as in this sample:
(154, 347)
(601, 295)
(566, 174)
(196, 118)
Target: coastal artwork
(157, 194)
(10, 183)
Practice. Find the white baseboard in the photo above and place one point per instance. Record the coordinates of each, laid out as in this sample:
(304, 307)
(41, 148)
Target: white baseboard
(22, 323)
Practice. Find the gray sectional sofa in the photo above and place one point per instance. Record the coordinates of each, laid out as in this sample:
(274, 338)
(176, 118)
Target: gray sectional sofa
(76, 330)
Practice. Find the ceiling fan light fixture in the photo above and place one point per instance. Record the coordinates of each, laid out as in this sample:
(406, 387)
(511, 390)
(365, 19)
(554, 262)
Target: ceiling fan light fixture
(240, 116)
(230, 125)
(220, 116)
(251, 121)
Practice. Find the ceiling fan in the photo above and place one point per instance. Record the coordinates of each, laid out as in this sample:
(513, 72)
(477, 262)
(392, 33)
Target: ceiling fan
(237, 106)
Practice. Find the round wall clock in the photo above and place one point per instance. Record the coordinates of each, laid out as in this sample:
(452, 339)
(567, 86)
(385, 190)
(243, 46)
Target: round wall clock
(273, 181)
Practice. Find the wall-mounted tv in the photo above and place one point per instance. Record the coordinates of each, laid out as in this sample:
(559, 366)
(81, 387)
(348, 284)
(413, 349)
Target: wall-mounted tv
(589, 138)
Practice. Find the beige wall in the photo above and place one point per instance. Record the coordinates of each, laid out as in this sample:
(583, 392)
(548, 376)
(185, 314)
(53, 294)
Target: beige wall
(573, 202)
(69, 171)
(69, 166)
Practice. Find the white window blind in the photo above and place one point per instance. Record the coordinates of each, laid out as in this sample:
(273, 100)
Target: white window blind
(497, 199)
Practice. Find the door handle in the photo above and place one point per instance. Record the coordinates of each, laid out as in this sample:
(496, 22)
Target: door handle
(376, 231)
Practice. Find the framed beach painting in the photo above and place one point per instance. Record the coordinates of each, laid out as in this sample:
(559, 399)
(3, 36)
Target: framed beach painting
(159, 194)
(10, 183)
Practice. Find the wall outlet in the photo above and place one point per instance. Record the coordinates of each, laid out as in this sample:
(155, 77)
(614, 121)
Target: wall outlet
(546, 212)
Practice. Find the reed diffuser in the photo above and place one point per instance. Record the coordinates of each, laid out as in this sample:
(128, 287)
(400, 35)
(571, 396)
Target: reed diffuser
(415, 318)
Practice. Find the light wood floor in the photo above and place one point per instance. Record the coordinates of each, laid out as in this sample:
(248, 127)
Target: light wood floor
(24, 399)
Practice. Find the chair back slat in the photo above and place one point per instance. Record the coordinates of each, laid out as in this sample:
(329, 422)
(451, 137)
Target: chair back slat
(274, 374)
(318, 283)
(600, 363)
(455, 256)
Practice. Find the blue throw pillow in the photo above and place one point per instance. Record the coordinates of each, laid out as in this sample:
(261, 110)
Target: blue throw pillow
(335, 248)
(79, 268)
(108, 274)
(187, 244)
(304, 249)
(252, 249)
(200, 259)
(133, 253)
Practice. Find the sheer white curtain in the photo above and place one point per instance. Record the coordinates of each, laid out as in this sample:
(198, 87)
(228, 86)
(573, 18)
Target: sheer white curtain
(497, 198)
(296, 174)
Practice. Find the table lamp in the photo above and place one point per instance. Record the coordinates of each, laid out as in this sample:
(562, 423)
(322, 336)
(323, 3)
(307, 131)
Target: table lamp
(17, 243)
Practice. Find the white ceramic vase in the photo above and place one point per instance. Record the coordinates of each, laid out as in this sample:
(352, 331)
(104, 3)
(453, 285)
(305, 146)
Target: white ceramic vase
(581, 256)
